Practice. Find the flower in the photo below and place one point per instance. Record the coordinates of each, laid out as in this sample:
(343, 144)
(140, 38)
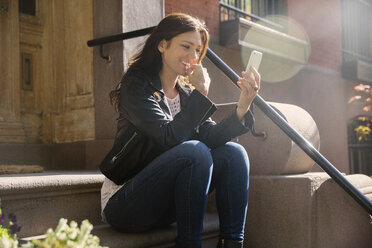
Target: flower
(67, 236)
(362, 87)
(10, 228)
(364, 96)
(362, 132)
(6, 239)
(64, 236)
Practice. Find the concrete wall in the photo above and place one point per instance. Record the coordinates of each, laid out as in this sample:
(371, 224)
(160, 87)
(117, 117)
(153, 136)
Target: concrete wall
(107, 20)
(113, 17)
(322, 22)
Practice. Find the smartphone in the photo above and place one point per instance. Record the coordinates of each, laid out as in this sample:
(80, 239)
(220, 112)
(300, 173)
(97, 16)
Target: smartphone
(254, 60)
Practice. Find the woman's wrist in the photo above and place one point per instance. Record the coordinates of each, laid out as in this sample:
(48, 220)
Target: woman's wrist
(240, 112)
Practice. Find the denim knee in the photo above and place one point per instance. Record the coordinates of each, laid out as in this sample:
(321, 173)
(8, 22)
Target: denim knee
(196, 150)
(237, 153)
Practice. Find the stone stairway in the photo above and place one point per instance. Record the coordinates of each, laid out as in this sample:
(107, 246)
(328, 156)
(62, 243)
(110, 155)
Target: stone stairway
(39, 200)
(288, 205)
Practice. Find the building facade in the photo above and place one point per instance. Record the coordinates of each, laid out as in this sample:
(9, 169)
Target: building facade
(54, 88)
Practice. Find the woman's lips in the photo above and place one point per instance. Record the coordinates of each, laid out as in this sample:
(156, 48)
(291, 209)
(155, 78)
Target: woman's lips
(188, 67)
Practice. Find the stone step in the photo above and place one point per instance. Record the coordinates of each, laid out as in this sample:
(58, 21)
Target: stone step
(156, 238)
(39, 200)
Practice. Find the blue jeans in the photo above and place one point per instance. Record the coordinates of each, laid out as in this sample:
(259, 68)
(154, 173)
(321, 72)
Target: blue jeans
(175, 187)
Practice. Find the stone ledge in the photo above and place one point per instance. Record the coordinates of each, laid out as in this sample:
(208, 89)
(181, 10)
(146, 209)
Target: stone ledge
(285, 157)
(20, 169)
(39, 200)
(46, 182)
(306, 210)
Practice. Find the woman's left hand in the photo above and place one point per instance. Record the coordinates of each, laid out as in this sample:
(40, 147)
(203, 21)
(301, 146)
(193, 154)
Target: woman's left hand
(250, 84)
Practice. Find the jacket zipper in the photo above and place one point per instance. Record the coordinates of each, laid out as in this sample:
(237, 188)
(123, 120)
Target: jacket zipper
(197, 127)
(123, 149)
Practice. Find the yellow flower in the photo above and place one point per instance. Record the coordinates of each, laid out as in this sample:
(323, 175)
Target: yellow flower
(362, 132)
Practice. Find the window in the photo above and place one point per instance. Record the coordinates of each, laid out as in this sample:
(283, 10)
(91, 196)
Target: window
(260, 8)
(268, 7)
(27, 7)
(356, 26)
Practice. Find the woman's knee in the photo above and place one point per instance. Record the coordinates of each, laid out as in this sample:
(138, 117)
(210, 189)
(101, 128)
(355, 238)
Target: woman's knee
(237, 149)
(195, 149)
(237, 155)
(198, 156)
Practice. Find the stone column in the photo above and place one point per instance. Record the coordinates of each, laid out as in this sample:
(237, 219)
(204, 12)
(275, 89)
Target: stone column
(10, 126)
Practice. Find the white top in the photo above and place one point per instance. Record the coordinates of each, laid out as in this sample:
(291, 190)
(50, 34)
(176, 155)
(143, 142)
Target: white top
(174, 105)
(109, 188)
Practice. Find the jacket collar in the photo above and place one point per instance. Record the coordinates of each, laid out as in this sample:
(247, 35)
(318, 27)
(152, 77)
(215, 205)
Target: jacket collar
(156, 83)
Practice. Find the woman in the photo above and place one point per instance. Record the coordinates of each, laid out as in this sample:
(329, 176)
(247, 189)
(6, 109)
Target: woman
(168, 155)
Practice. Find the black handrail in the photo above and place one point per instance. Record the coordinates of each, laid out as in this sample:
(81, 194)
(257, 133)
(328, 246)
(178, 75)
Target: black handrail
(119, 37)
(361, 199)
(297, 138)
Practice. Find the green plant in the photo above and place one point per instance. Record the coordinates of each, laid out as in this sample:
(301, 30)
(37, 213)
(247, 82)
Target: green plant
(8, 230)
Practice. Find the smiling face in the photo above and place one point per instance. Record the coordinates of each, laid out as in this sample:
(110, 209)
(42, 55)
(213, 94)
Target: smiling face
(180, 52)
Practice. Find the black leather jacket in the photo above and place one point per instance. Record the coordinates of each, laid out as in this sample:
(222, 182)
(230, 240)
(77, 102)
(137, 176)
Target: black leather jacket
(146, 128)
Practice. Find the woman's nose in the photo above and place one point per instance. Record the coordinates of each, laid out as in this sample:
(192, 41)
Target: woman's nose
(194, 56)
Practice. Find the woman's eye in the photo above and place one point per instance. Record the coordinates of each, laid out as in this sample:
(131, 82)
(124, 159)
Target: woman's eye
(186, 46)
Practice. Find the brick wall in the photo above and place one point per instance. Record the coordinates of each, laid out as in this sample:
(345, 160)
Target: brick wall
(319, 18)
(322, 21)
(206, 10)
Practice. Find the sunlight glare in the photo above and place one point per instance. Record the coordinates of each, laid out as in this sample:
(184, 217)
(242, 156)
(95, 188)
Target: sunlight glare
(285, 52)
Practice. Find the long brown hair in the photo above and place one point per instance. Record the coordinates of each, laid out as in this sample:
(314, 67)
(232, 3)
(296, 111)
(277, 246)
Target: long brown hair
(149, 60)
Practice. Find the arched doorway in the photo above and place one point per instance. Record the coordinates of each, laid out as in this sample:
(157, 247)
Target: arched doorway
(360, 144)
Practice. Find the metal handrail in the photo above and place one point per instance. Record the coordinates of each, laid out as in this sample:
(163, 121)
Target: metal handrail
(119, 37)
(336, 175)
(297, 138)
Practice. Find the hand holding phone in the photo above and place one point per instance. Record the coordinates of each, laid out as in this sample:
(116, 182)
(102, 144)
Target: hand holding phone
(250, 79)
(254, 60)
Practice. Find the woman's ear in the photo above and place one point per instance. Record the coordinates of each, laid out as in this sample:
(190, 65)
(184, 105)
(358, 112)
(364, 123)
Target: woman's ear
(162, 45)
